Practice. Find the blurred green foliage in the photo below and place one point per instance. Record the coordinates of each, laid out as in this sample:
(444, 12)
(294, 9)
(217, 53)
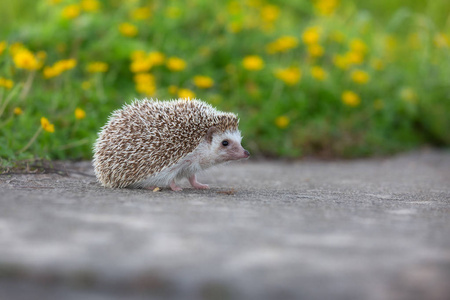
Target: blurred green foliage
(325, 77)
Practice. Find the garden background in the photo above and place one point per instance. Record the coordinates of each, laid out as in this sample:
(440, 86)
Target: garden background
(326, 78)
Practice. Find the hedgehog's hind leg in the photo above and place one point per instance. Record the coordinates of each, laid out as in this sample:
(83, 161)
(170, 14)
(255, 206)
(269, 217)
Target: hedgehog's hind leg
(193, 181)
(174, 187)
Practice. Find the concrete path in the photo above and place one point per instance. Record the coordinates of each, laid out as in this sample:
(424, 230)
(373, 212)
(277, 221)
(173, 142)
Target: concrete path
(363, 229)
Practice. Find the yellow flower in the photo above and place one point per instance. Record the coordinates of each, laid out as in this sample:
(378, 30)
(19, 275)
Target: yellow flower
(156, 58)
(186, 94)
(318, 73)
(173, 89)
(357, 45)
(326, 7)
(128, 29)
(86, 85)
(173, 12)
(360, 77)
(6, 83)
(175, 64)
(408, 94)
(141, 13)
(18, 111)
(440, 40)
(354, 58)
(253, 63)
(282, 122)
(90, 5)
(315, 50)
(71, 11)
(270, 13)
(282, 44)
(97, 67)
(16, 48)
(144, 78)
(3, 46)
(79, 113)
(350, 98)
(50, 72)
(46, 125)
(24, 59)
(290, 76)
(203, 82)
(311, 35)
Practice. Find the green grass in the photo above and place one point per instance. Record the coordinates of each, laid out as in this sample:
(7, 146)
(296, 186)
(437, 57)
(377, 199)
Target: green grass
(403, 105)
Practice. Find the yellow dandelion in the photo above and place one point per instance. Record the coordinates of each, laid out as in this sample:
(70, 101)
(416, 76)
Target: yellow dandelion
(97, 67)
(24, 59)
(90, 5)
(71, 11)
(408, 94)
(18, 111)
(186, 94)
(253, 63)
(290, 76)
(128, 29)
(50, 72)
(79, 113)
(156, 58)
(270, 13)
(140, 65)
(318, 73)
(6, 83)
(357, 45)
(173, 12)
(141, 13)
(311, 35)
(282, 122)
(315, 50)
(350, 98)
(203, 82)
(360, 77)
(326, 7)
(354, 58)
(440, 40)
(3, 46)
(282, 44)
(144, 78)
(175, 64)
(46, 125)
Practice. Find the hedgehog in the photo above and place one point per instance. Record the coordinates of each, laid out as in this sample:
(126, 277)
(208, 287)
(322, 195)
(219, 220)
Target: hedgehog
(153, 143)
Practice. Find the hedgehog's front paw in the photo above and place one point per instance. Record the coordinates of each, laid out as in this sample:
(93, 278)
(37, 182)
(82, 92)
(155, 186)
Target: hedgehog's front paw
(175, 187)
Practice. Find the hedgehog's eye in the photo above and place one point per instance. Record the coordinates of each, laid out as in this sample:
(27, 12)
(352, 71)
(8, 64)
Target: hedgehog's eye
(225, 143)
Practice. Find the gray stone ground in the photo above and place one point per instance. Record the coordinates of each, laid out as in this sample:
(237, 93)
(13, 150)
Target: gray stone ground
(362, 229)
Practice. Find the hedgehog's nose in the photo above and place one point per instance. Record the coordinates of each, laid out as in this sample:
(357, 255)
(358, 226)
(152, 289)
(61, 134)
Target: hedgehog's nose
(246, 153)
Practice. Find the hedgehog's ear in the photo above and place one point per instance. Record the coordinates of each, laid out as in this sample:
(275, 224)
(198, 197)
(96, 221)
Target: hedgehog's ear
(210, 133)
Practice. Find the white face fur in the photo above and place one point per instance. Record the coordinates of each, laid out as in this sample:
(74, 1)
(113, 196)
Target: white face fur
(227, 146)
